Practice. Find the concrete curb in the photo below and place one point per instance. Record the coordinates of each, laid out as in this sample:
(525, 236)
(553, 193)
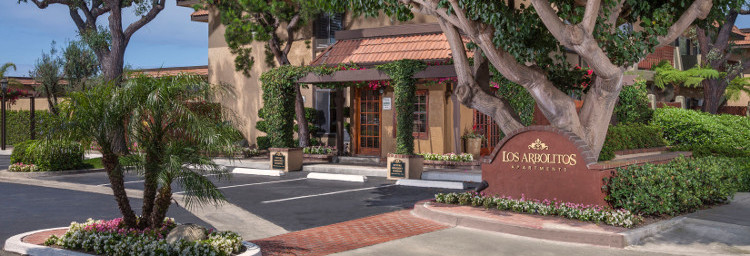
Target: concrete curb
(6, 173)
(337, 177)
(15, 244)
(346, 169)
(635, 236)
(432, 184)
(422, 210)
(452, 176)
(274, 173)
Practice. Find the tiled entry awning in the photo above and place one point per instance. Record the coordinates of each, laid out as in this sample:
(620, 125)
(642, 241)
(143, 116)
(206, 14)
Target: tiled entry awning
(369, 47)
(363, 51)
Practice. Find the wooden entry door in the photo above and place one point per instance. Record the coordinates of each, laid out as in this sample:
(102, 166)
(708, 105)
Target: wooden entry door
(367, 117)
(490, 129)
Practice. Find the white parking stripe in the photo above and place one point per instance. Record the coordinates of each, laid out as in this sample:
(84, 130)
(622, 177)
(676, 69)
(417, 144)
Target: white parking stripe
(136, 181)
(325, 194)
(252, 184)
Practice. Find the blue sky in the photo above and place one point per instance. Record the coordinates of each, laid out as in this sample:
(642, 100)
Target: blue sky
(170, 40)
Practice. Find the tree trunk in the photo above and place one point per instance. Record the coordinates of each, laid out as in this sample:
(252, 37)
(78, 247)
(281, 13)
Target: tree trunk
(114, 172)
(299, 107)
(163, 201)
(713, 90)
(151, 185)
(340, 132)
(596, 113)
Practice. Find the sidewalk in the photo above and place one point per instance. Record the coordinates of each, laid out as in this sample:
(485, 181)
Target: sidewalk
(719, 230)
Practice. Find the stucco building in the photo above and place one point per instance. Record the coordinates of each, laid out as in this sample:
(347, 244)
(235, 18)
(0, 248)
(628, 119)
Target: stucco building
(440, 120)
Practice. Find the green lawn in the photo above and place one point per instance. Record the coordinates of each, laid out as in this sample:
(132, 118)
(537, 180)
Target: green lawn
(93, 163)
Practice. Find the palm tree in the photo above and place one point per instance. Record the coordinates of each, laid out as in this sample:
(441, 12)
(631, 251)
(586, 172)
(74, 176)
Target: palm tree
(5, 67)
(92, 116)
(174, 142)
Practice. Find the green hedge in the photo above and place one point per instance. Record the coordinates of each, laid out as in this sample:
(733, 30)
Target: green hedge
(49, 155)
(630, 136)
(18, 128)
(704, 133)
(684, 185)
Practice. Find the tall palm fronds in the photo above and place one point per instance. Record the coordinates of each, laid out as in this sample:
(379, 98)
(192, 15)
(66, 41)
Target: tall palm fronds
(5, 68)
(92, 116)
(173, 141)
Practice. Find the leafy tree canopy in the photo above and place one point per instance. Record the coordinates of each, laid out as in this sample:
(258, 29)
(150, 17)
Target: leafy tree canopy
(251, 21)
(520, 32)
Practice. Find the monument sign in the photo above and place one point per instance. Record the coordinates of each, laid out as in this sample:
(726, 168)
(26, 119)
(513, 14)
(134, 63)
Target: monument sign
(541, 162)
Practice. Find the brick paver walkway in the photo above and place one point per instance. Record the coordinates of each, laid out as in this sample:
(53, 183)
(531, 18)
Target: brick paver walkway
(348, 235)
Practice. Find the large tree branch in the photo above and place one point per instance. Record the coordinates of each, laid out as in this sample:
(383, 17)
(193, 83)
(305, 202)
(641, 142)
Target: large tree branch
(698, 10)
(567, 35)
(576, 39)
(145, 19)
(468, 90)
(615, 13)
(290, 28)
(590, 15)
(45, 3)
(557, 106)
(722, 39)
(703, 41)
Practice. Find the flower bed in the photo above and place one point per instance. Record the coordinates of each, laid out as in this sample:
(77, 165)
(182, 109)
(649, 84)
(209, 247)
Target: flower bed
(110, 238)
(450, 157)
(21, 167)
(449, 160)
(598, 214)
(318, 154)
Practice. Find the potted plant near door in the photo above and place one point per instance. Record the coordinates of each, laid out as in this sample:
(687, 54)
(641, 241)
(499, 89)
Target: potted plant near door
(473, 141)
(404, 164)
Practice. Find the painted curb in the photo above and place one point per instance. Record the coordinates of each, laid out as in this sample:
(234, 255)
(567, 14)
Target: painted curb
(14, 244)
(346, 169)
(452, 176)
(431, 184)
(616, 240)
(337, 177)
(6, 173)
(636, 236)
(258, 172)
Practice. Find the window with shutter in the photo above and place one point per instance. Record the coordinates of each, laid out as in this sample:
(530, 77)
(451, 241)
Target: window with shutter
(325, 27)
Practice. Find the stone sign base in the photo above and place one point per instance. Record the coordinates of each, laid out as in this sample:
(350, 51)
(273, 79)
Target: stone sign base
(405, 166)
(286, 159)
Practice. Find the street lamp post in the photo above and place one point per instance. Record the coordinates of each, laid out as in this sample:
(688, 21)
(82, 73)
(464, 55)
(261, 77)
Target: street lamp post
(4, 86)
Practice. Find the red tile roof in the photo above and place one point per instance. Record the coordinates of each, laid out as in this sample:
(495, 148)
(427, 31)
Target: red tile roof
(199, 15)
(661, 53)
(425, 47)
(745, 41)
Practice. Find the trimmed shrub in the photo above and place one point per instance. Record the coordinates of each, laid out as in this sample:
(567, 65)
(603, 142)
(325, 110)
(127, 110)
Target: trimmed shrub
(630, 136)
(263, 142)
(704, 133)
(684, 185)
(632, 105)
(50, 155)
(19, 154)
(743, 164)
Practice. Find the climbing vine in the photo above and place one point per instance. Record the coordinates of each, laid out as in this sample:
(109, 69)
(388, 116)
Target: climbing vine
(404, 94)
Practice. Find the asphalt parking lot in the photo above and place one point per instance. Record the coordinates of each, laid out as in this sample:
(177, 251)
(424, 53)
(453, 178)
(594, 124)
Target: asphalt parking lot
(294, 202)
